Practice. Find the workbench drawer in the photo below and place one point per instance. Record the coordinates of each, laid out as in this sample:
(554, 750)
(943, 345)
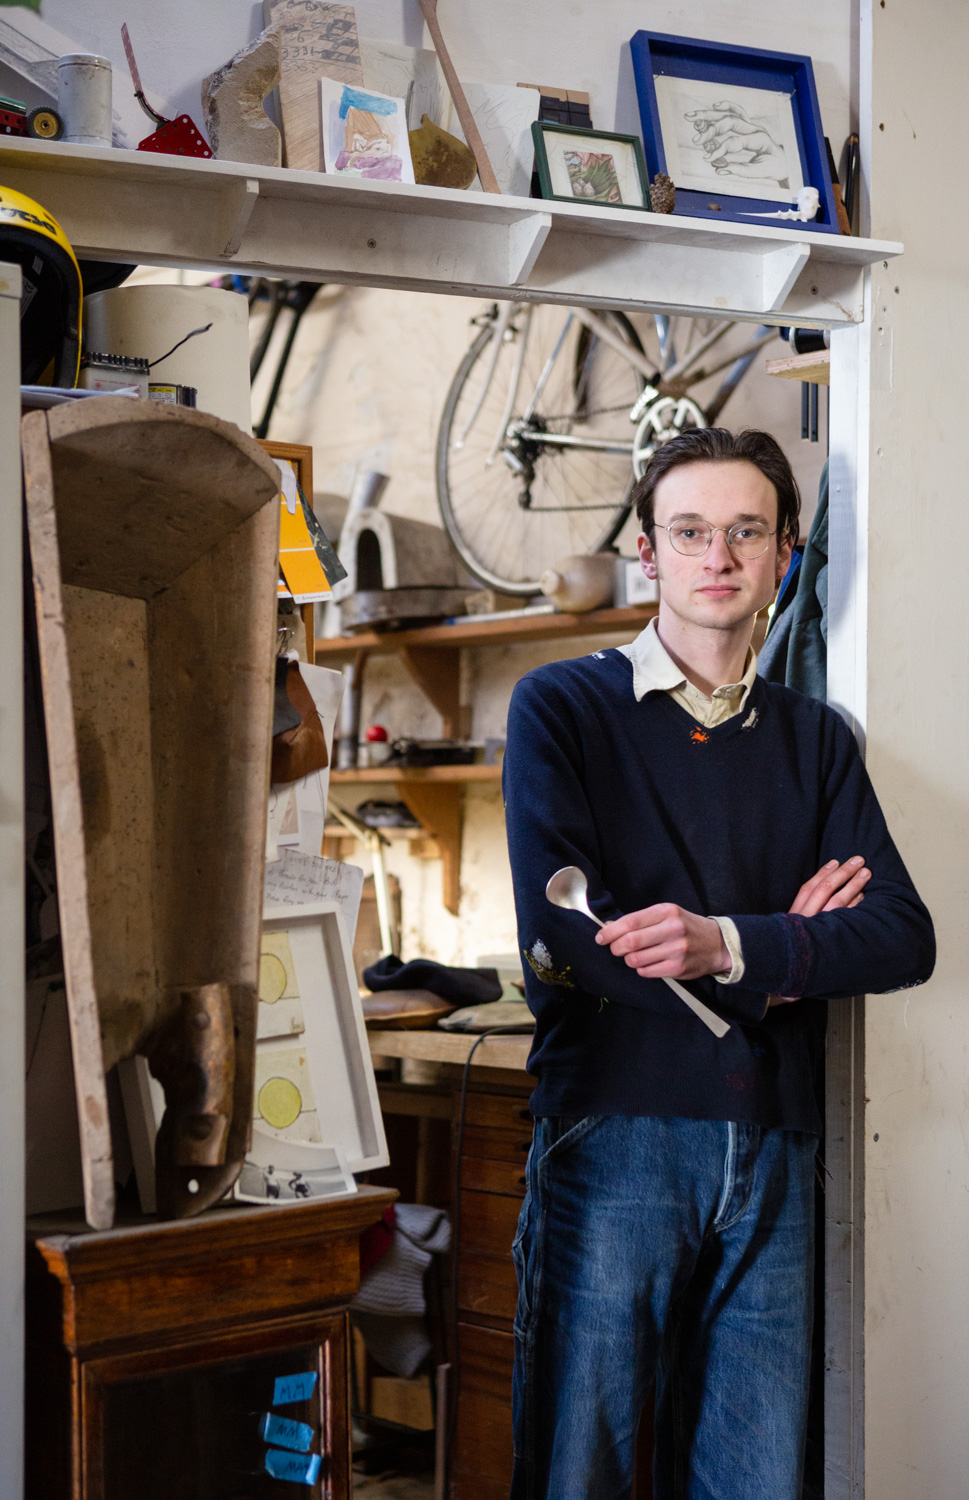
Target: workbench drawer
(484, 1176)
(499, 1111)
(487, 1284)
(486, 1142)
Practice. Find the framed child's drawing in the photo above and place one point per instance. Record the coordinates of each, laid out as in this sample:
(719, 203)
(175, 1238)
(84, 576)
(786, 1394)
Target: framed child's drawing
(364, 133)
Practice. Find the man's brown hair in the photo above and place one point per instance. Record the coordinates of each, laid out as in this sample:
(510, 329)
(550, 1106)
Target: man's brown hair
(717, 445)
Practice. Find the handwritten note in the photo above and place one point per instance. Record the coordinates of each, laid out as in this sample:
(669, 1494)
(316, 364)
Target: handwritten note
(290, 1388)
(296, 1467)
(286, 1432)
(297, 879)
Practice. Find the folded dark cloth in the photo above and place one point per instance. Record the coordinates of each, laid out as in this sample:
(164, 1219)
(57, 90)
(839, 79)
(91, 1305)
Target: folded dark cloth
(461, 986)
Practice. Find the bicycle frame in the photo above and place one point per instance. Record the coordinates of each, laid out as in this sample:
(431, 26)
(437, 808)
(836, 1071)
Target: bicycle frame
(673, 379)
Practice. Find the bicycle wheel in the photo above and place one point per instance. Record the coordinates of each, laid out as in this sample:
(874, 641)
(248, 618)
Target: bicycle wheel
(534, 452)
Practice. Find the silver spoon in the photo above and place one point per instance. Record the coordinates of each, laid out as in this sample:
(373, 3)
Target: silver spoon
(569, 889)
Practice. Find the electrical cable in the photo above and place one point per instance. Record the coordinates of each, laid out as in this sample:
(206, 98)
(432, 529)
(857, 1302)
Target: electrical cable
(455, 1381)
(195, 331)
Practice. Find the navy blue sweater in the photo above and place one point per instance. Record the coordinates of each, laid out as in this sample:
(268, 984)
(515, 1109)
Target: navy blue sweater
(728, 821)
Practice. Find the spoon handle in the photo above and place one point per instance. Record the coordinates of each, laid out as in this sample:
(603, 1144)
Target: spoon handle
(706, 1015)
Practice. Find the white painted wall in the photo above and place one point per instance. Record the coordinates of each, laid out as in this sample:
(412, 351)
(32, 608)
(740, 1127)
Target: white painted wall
(917, 1044)
(568, 42)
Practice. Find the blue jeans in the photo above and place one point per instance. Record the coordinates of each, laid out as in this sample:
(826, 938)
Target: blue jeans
(667, 1249)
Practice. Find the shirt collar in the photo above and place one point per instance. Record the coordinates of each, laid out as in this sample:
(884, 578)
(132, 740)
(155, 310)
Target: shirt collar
(654, 670)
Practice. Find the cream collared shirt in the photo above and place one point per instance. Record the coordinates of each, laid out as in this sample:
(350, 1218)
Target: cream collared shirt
(655, 671)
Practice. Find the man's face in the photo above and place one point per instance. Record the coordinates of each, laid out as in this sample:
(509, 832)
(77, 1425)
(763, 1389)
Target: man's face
(716, 590)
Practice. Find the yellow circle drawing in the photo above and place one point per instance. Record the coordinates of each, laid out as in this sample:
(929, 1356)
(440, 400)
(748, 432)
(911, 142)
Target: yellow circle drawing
(272, 977)
(279, 1102)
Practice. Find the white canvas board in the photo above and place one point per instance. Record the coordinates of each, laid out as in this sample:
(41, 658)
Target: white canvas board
(298, 879)
(410, 73)
(503, 114)
(364, 133)
(729, 140)
(334, 1041)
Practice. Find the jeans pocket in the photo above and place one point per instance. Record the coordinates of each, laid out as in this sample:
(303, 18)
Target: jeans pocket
(559, 1135)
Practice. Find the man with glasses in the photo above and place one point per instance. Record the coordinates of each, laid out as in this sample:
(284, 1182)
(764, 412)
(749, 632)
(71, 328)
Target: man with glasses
(667, 1231)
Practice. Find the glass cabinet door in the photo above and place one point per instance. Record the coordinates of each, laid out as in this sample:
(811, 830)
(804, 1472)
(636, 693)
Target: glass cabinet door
(248, 1428)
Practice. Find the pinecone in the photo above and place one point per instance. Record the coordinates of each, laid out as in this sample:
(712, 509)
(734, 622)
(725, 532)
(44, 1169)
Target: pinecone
(662, 194)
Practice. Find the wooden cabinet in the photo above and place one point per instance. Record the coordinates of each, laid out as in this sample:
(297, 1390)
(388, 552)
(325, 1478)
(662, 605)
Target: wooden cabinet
(496, 1140)
(155, 1353)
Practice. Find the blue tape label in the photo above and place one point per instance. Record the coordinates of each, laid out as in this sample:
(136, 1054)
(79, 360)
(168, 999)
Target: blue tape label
(296, 1467)
(289, 1388)
(286, 1433)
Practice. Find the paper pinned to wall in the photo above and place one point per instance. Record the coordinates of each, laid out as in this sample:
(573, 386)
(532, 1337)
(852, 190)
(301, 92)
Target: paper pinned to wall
(504, 115)
(302, 879)
(303, 829)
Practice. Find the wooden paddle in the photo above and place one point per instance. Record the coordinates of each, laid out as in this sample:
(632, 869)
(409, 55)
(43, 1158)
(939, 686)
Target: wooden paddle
(471, 133)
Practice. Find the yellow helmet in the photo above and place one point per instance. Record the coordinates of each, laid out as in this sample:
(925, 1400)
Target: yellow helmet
(50, 308)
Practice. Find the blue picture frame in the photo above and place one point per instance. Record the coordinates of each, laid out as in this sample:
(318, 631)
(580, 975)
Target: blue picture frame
(655, 54)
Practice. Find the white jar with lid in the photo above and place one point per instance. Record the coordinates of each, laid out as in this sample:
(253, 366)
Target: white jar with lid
(84, 98)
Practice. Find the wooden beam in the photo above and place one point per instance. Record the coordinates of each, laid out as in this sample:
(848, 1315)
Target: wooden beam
(814, 368)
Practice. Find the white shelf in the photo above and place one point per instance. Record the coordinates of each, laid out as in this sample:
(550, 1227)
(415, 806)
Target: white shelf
(178, 211)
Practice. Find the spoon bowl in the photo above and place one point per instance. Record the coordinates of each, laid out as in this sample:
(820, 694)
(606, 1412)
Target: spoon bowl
(569, 889)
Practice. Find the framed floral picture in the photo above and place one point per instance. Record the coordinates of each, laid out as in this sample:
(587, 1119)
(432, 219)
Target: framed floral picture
(590, 166)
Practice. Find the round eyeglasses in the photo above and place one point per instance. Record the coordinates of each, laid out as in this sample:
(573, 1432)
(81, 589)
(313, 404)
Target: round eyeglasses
(746, 539)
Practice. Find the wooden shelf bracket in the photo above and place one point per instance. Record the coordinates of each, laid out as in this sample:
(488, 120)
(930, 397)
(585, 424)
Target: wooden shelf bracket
(437, 806)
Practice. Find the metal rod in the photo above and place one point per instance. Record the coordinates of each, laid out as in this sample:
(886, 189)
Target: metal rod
(382, 893)
(301, 299)
(566, 440)
(542, 382)
(513, 385)
(498, 337)
(814, 411)
(692, 355)
(805, 412)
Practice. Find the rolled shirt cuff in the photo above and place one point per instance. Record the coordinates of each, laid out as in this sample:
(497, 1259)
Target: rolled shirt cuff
(731, 938)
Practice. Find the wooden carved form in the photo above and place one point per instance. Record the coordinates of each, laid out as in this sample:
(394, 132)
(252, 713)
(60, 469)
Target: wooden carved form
(153, 538)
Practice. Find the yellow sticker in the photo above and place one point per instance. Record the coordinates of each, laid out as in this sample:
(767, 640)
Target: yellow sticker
(277, 974)
(279, 1102)
(272, 978)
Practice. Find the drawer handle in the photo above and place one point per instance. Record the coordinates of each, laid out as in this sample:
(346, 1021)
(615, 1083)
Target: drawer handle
(523, 1182)
(524, 1114)
(524, 1145)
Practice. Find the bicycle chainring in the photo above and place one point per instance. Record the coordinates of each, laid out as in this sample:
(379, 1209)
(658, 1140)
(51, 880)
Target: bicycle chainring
(663, 419)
